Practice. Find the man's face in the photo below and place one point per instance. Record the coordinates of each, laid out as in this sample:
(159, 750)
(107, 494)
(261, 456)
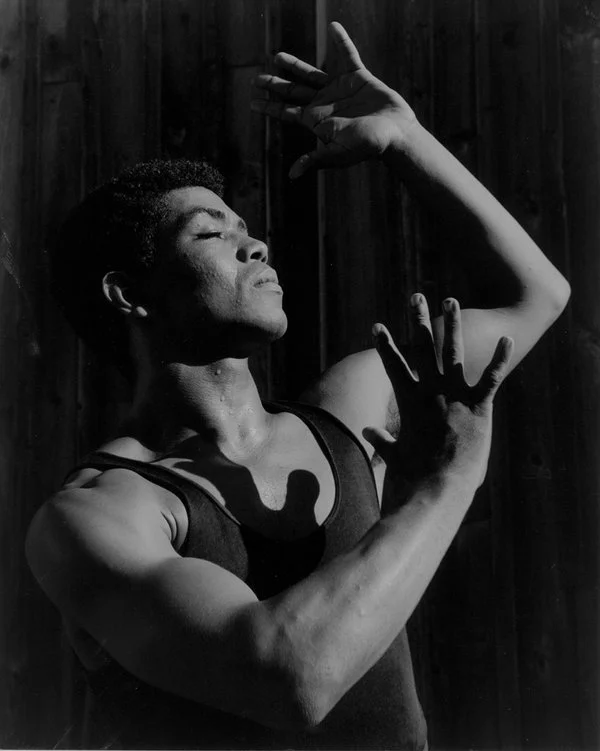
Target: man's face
(215, 293)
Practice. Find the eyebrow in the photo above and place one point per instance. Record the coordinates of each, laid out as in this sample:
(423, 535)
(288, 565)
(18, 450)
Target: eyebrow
(186, 217)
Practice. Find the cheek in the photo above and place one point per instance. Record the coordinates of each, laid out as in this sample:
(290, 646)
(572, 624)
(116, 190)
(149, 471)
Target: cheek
(215, 287)
(190, 287)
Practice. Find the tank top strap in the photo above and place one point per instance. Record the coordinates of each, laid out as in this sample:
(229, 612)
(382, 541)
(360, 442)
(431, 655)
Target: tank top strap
(342, 443)
(191, 495)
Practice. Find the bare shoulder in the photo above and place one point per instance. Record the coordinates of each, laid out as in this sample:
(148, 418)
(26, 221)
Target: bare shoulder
(357, 391)
(99, 520)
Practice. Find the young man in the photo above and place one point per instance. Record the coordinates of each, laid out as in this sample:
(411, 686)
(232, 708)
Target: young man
(222, 566)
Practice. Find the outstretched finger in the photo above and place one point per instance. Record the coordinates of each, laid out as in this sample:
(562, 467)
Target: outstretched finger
(453, 352)
(305, 72)
(278, 110)
(350, 56)
(289, 91)
(393, 361)
(428, 365)
(495, 372)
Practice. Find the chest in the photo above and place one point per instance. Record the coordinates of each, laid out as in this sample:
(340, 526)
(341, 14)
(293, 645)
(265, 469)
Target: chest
(286, 491)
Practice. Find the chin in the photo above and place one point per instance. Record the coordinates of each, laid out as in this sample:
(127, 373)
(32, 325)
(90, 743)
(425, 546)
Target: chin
(263, 333)
(198, 343)
(279, 328)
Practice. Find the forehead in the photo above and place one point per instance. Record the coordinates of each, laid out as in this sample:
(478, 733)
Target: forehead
(183, 204)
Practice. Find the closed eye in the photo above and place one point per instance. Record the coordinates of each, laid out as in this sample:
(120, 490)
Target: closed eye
(208, 235)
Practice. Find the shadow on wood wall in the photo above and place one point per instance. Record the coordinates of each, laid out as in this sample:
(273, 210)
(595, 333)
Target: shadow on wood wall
(506, 638)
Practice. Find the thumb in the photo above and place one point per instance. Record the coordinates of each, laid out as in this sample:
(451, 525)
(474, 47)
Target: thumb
(380, 439)
(303, 165)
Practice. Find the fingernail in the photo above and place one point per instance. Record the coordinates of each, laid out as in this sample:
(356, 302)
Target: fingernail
(416, 299)
(298, 168)
(448, 305)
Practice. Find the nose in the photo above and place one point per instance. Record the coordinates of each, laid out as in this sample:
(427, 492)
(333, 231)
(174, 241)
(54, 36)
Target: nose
(250, 249)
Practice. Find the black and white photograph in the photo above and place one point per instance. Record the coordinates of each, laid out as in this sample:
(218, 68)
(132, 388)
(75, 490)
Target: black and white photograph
(300, 375)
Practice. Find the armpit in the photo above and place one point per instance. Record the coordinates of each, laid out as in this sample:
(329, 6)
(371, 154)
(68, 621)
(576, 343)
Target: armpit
(392, 419)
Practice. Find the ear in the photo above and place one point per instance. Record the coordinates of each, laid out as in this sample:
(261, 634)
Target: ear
(119, 292)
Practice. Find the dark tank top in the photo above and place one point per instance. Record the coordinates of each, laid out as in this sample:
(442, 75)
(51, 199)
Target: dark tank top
(381, 711)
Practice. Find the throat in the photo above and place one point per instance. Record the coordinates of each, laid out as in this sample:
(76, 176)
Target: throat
(285, 491)
(217, 402)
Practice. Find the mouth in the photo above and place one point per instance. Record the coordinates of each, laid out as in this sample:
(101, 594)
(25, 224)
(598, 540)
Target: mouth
(268, 281)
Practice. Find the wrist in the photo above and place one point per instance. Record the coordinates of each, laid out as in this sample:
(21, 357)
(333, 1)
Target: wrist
(436, 487)
(446, 482)
(405, 131)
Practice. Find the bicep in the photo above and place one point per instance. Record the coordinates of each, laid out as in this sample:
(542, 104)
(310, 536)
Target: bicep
(358, 391)
(170, 621)
(482, 329)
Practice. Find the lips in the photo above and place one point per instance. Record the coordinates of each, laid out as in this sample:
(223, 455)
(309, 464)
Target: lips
(267, 277)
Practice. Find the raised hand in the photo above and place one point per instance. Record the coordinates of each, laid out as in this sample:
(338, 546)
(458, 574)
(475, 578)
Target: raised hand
(445, 422)
(354, 115)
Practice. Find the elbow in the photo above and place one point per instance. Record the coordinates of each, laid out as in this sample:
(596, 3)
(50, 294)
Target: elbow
(304, 690)
(318, 686)
(302, 685)
(310, 699)
(290, 703)
(559, 296)
(546, 300)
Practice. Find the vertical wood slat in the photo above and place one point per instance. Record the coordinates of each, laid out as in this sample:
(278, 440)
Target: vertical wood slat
(192, 110)
(351, 242)
(498, 489)
(453, 628)
(463, 629)
(454, 122)
(118, 78)
(50, 94)
(121, 42)
(101, 117)
(41, 397)
(562, 376)
(61, 160)
(293, 216)
(12, 74)
(580, 79)
(545, 664)
(242, 28)
(368, 277)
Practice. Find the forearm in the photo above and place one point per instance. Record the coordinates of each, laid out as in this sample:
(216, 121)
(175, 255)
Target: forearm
(495, 250)
(334, 625)
(192, 628)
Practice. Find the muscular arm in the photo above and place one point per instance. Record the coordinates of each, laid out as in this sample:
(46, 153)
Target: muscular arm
(104, 555)
(357, 117)
(495, 251)
(192, 628)
(529, 294)
(526, 291)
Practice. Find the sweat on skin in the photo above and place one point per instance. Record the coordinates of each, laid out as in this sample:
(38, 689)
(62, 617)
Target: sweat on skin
(105, 547)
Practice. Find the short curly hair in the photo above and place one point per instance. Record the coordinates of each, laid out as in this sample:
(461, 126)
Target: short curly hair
(115, 228)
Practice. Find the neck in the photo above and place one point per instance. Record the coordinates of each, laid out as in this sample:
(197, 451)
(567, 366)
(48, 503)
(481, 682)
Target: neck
(217, 402)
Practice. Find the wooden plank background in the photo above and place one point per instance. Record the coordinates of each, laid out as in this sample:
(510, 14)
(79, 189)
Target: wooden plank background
(506, 640)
